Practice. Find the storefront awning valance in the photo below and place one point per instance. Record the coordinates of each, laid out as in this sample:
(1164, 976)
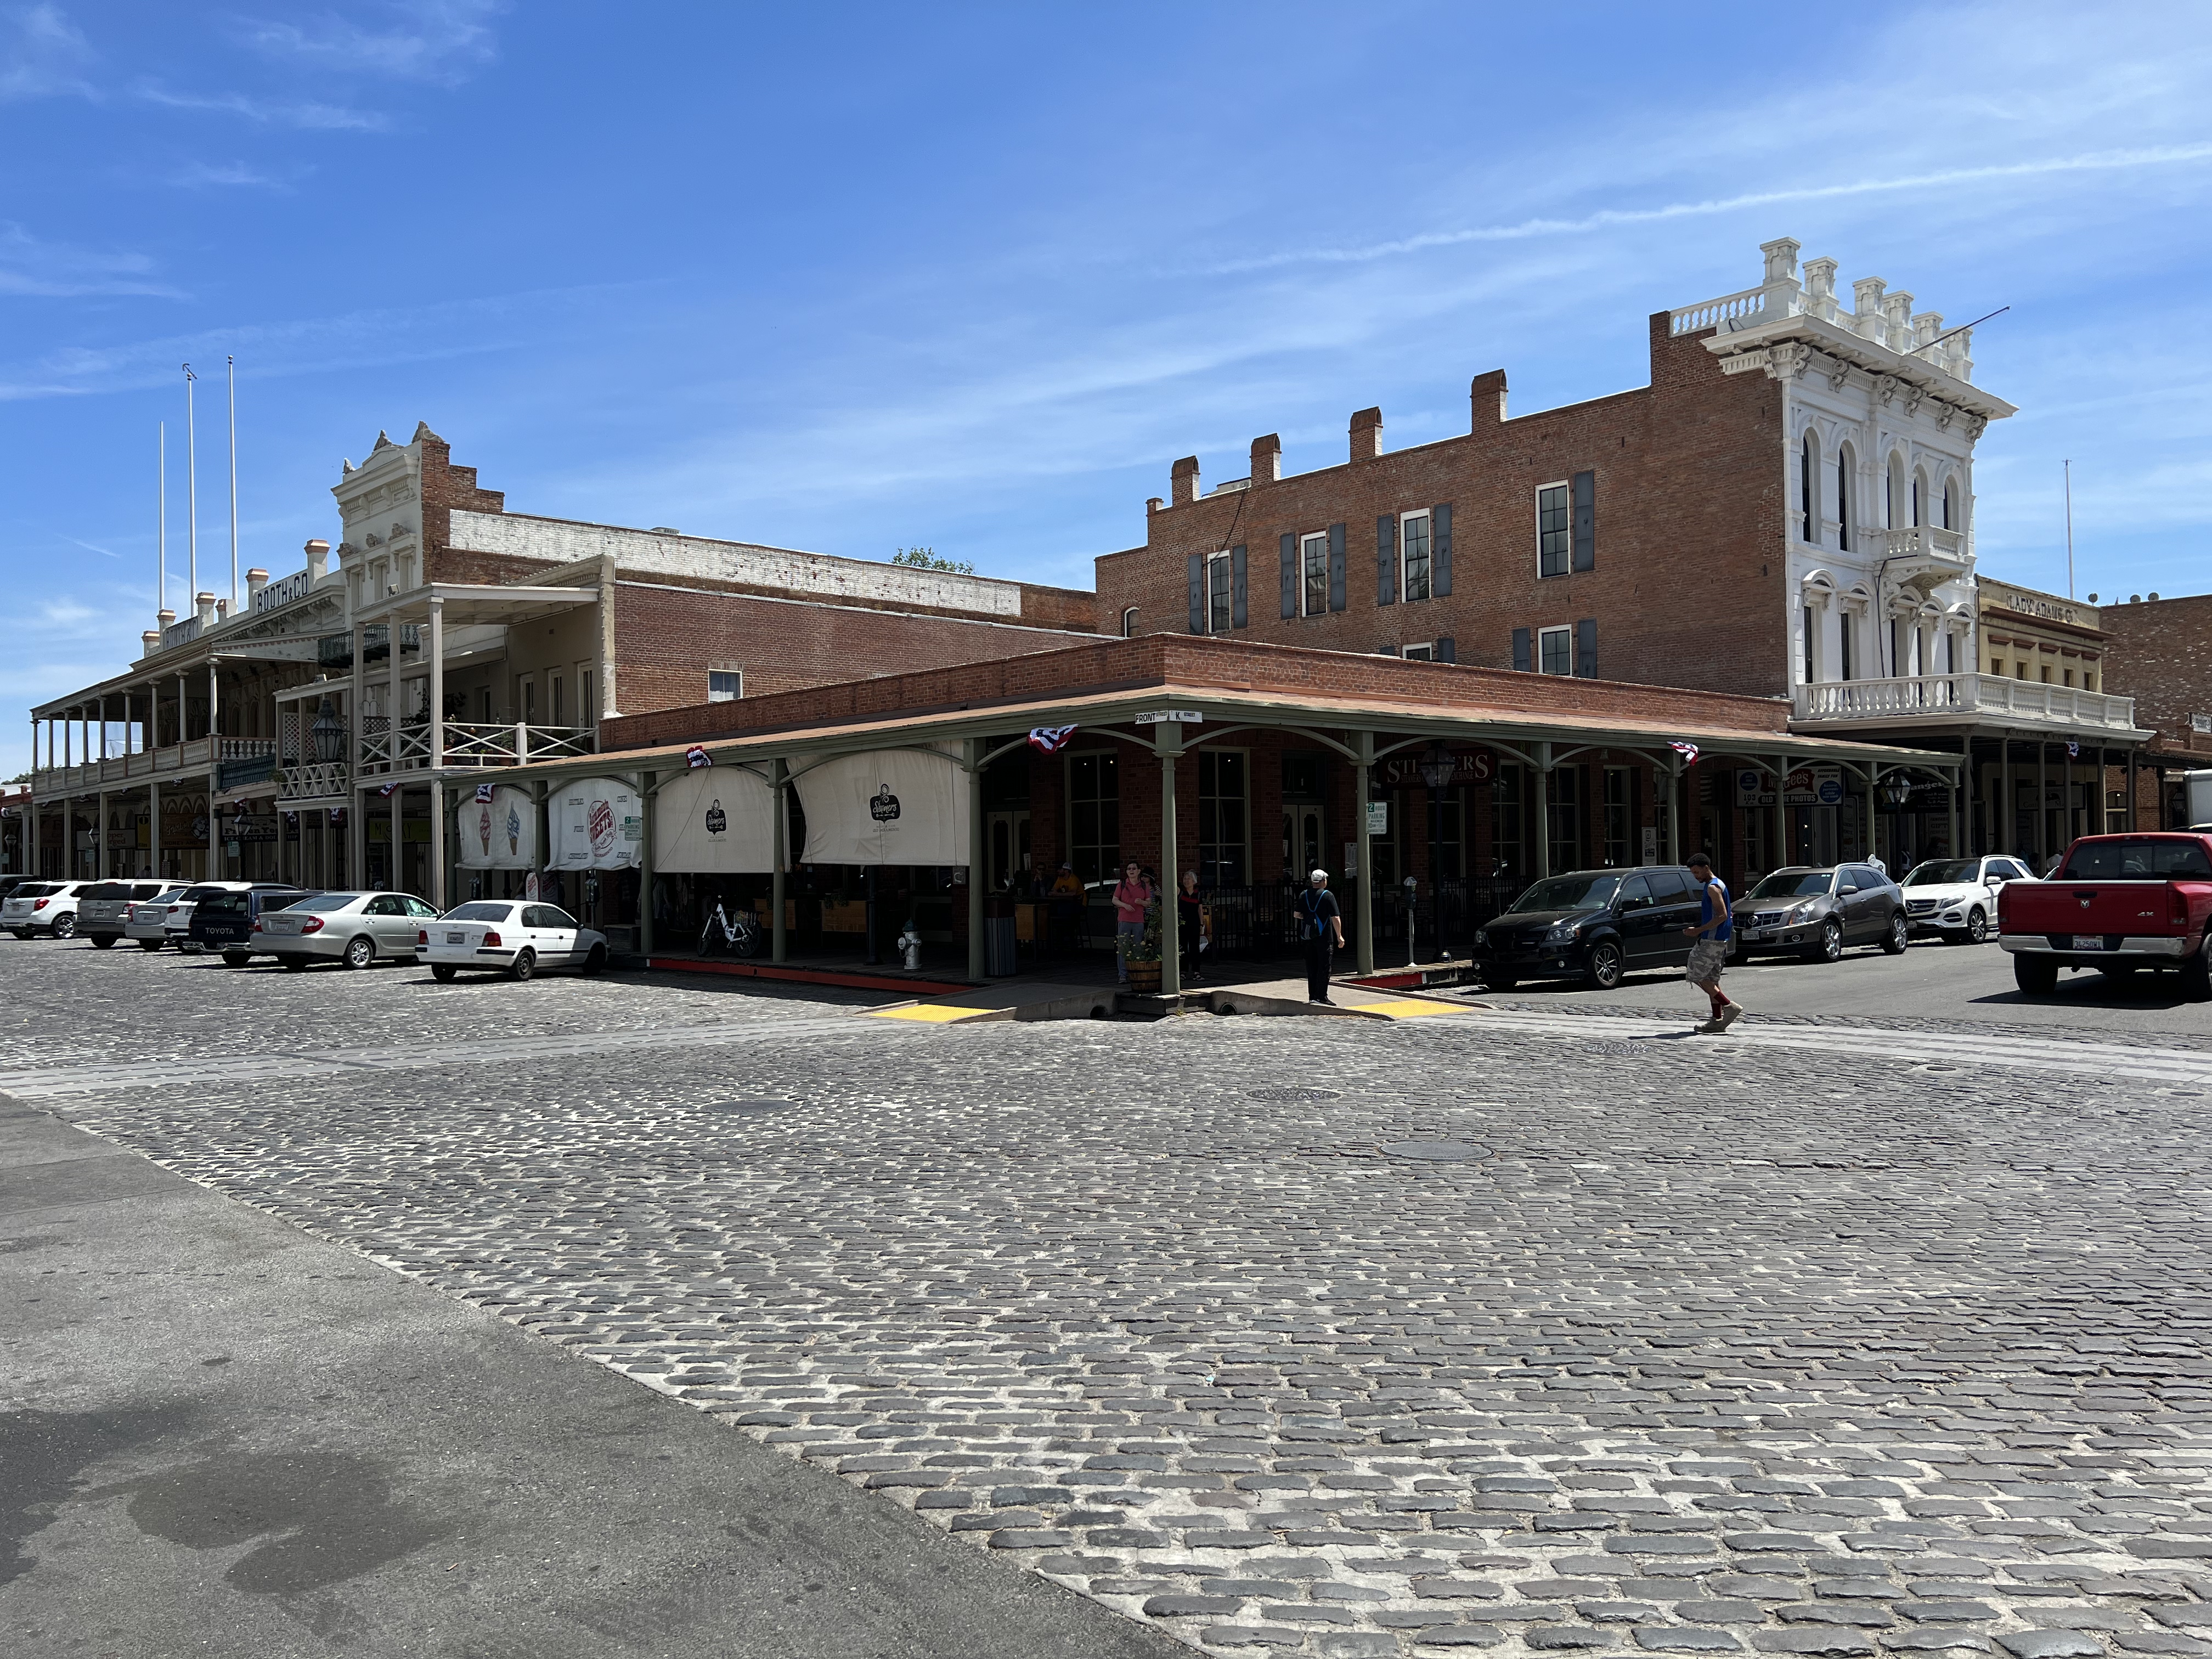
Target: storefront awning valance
(499, 834)
(596, 823)
(886, 806)
(716, 820)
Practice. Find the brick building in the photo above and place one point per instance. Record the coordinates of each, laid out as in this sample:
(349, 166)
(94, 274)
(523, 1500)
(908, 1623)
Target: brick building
(292, 736)
(2162, 656)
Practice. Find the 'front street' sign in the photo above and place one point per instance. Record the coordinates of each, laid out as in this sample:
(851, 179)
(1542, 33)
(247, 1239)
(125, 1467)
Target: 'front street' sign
(1172, 717)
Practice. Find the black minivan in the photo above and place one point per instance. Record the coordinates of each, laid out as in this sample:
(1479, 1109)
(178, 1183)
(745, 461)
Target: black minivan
(1590, 925)
(224, 922)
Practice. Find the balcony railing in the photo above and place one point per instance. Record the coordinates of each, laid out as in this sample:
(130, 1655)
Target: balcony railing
(1966, 698)
(314, 781)
(468, 744)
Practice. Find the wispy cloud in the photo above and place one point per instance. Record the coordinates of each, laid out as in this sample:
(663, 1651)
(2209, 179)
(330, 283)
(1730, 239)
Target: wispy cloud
(88, 547)
(436, 41)
(306, 113)
(1609, 218)
(33, 268)
(213, 175)
(45, 57)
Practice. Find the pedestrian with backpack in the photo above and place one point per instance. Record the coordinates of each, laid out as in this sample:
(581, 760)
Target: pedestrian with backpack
(1321, 924)
(1714, 932)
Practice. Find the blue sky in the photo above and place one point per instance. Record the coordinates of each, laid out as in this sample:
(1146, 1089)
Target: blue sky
(854, 278)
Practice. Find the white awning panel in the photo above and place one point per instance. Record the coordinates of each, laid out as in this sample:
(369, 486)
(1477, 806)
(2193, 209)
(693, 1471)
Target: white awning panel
(715, 820)
(499, 834)
(597, 824)
(886, 806)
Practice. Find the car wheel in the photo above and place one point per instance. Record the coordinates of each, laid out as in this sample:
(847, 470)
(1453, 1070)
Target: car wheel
(2196, 974)
(150, 945)
(1604, 971)
(524, 965)
(1978, 928)
(1496, 980)
(293, 965)
(2039, 975)
(233, 958)
(65, 927)
(103, 941)
(443, 972)
(359, 951)
(1829, 947)
(597, 962)
(1900, 934)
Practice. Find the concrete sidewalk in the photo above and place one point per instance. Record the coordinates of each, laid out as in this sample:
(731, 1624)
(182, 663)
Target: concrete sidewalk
(220, 1436)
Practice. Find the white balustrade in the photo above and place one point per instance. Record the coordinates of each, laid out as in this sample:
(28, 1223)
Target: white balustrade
(1735, 309)
(1985, 696)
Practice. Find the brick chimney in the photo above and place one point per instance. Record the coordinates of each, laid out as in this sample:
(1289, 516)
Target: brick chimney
(1366, 433)
(1267, 459)
(1487, 399)
(319, 560)
(1183, 483)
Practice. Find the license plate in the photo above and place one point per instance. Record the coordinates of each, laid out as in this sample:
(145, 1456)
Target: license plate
(2088, 941)
(457, 938)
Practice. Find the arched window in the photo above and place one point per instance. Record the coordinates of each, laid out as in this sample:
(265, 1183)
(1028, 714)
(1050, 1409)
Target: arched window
(1950, 503)
(1129, 624)
(1843, 500)
(1808, 514)
(1919, 495)
(1895, 504)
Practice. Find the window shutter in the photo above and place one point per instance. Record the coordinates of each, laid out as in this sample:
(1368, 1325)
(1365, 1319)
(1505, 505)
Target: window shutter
(1521, 650)
(1585, 521)
(1290, 544)
(1197, 594)
(1440, 551)
(1586, 648)
(1446, 651)
(1336, 567)
(1239, 615)
(1386, 559)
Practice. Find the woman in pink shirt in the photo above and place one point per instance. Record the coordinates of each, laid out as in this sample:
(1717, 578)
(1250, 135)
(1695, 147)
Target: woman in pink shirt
(1132, 897)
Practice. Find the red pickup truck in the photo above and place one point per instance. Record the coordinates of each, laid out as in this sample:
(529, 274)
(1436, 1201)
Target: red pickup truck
(2119, 903)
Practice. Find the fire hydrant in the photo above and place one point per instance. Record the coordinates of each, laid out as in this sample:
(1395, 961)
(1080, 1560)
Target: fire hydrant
(911, 942)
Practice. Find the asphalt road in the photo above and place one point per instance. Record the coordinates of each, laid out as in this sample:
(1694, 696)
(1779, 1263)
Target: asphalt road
(1966, 984)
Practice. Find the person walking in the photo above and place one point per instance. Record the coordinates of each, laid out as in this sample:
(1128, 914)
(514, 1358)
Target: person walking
(1714, 930)
(1132, 897)
(1323, 926)
(1190, 925)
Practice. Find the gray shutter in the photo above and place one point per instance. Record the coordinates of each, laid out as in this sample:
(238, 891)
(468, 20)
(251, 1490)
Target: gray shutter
(1446, 651)
(1290, 575)
(1586, 648)
(1239, 617)
(1585, 521)
(1197, 594)
(1521, 643)
(1336, 599)
(1440, 550)
(1386, 559)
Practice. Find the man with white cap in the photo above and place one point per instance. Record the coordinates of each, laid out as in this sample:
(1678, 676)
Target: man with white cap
(1321, 924)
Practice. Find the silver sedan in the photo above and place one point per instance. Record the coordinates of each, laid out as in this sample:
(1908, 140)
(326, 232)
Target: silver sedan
(354, 929)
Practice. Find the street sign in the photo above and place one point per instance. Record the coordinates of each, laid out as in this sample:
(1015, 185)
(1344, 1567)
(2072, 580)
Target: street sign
(1172, 717)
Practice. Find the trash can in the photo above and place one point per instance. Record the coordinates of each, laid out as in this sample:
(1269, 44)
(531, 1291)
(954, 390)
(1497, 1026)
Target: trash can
(999, 947)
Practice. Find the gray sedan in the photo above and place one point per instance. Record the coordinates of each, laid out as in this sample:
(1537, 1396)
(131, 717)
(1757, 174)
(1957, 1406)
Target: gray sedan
(351, 928)
(1815, 911)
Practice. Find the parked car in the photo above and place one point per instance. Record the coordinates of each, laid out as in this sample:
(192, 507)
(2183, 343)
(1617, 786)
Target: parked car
(1590, 925)
(1818, 911)
(509, 936)
(231, 922)
(147, 924)
(10, 884)
(2119, 903)
(43, 906)
(1956, 898)
(103, 909)
(179, 926)
(353, 929)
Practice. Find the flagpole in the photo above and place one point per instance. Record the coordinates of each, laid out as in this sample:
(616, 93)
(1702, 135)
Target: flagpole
(161, 517)
(192, 493)
(2069, 529)
(231, 364)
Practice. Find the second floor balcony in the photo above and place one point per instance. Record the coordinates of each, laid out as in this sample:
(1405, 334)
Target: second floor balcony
(1968, 699)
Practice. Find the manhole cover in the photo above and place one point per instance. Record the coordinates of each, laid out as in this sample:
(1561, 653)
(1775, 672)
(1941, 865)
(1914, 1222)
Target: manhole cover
(1437, 1152)
(736, 1106)
(1292, 1096)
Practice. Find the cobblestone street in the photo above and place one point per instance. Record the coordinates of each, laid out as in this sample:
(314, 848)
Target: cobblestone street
(1298, 1336)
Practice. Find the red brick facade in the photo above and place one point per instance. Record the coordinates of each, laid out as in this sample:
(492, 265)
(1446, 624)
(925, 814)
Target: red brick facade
(2160, 654)
(1686, 576)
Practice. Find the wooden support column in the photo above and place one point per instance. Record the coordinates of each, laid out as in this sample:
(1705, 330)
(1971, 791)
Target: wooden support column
(778, 935)
(1168, 740)
(2041, 802)
(1363, 894)
(648, 799)
(974, 767)
(1543, 826)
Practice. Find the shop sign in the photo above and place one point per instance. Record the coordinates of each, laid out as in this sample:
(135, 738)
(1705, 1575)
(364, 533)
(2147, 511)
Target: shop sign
(1814, 785)
(1404, 771)
(252, 827)
(281, 592)
(1753, 787)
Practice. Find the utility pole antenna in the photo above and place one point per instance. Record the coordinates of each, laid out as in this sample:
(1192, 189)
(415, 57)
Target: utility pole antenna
(162, 517)
(2069, 529)
(191, 494)
(231, 363)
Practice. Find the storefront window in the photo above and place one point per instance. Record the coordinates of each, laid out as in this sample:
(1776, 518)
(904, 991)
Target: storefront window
(1223, 818)
(1619, 815)
(1565, 809)
(1094, 815)
(1509, 837)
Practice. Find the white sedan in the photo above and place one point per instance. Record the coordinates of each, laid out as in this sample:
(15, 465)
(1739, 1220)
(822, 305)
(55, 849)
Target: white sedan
(510, 936)
(1958, 897)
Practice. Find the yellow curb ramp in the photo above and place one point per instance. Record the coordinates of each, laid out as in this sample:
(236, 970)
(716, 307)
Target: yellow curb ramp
(1411, 1008)
(932, 1013)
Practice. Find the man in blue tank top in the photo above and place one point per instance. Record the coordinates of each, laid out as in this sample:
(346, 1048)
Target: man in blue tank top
(1714, 930)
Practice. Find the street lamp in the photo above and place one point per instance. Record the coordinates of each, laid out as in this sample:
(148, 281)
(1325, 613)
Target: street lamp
(1438, 768)
(1895, 791)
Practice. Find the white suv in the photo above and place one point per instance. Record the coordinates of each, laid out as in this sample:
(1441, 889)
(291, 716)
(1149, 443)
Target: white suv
(1958, 897)
(43, 906)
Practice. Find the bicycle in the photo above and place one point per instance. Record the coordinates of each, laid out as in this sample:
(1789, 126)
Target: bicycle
(732, 931)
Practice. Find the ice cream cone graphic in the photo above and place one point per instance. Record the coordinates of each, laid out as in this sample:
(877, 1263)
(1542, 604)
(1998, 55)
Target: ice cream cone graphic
(483, 829)
(513, 831)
